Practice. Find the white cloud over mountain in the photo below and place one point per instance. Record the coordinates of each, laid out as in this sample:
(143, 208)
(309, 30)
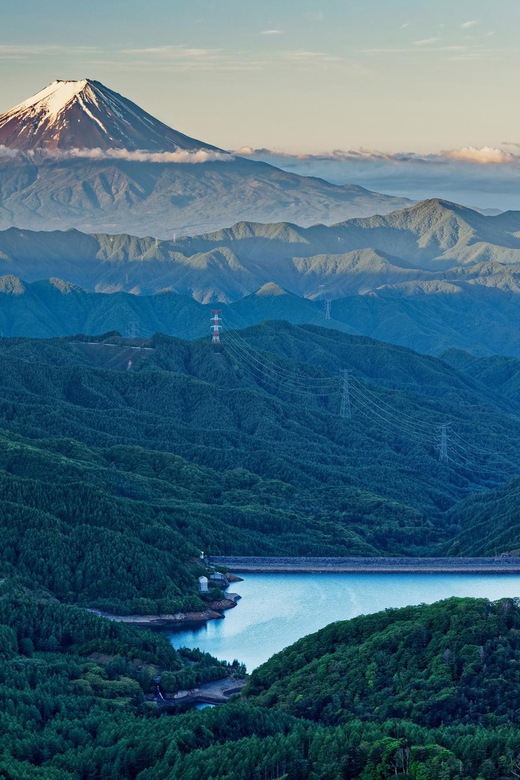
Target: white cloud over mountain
(486, 177)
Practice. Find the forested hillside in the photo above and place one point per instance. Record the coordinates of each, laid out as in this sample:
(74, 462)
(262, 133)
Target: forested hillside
(120, 460)
(422, 693)
(436, 665)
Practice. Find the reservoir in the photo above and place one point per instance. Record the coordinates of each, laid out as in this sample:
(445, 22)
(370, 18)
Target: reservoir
(277, 609)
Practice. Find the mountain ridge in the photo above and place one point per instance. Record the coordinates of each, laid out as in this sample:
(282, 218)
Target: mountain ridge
(354, 256)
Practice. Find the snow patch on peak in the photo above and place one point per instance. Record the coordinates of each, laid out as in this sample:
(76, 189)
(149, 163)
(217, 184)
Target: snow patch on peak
(54, 97)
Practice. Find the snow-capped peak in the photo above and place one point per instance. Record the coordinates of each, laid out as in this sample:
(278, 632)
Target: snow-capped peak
(55, 97)
(87, 115)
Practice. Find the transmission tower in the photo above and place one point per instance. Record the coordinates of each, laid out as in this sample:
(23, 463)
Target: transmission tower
(327, 310)
(345, 408)
(132, 329)
(216, 324)
(443, 442)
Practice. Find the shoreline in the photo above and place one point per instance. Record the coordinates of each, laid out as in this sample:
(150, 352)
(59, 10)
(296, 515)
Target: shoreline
(216, 692)
(214, 612)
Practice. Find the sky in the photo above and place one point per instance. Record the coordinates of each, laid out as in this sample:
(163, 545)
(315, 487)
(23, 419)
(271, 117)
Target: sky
(297, 77)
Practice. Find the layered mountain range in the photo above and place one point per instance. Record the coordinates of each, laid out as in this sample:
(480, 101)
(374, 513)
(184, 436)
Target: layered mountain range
(77, 154)
(435, 244)
(432, 276)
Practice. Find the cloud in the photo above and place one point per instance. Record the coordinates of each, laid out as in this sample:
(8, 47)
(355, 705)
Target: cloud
(24, 52)
(469, 51)
(315, 57)
(419, 51)
(467, 25)
(6, 152)
(487, 154)
(180, 156)
(376, 52)
(315, 16)
(172, 52)
(470, 154)
(484, 177)
(271, 32)
(183, 58)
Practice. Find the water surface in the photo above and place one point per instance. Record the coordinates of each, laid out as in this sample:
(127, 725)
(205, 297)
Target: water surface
(277, 609)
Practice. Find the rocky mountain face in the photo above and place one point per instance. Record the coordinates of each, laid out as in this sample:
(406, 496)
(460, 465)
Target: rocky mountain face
(77, 154)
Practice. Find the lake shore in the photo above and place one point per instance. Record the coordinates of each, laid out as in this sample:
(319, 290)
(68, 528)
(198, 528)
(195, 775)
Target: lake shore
(216, 692)
(214, 612)
(277, 609)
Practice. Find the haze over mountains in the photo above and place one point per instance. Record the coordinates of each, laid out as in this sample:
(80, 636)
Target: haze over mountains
(77, 154)
(432, 276)
(434, 242)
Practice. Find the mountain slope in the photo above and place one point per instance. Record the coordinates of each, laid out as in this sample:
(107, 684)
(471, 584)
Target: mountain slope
(496, 371)
(57, 308)
(77, 154)
(73, 115)
(468, 317)
(94, 720)
(424, 664)
(121, 459)
(433, 235)
(278, 419)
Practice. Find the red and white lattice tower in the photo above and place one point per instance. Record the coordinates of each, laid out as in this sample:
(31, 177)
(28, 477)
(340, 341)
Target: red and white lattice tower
(216, 324)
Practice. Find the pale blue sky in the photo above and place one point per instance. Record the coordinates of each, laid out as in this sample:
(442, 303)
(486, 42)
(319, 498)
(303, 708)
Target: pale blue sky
(392, 75)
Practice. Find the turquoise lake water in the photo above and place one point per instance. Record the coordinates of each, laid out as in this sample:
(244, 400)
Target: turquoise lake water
(277, 609)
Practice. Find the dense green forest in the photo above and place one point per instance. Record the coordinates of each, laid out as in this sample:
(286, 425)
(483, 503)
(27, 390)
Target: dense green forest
(436, 699)
(454, 661)
(120, 460)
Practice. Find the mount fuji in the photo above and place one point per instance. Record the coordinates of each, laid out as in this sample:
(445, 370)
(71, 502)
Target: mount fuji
(77, 154)
(80, 115)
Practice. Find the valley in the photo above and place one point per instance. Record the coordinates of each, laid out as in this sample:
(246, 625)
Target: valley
(211, 366)
(244, 463)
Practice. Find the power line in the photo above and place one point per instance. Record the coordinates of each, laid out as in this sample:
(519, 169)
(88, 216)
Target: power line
(284, 372)
(443, 442)
(389, 408)
(392, 427)
(355, 394)
(255, 367)
(345, 408)
(398, 422)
